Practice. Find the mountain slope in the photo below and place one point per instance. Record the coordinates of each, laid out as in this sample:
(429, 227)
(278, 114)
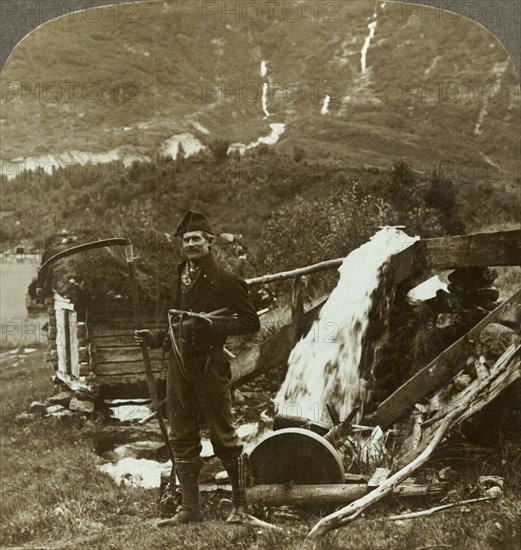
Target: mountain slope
(428, 92)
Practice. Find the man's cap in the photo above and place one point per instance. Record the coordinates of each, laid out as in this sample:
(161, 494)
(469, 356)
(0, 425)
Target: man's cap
(193, 221)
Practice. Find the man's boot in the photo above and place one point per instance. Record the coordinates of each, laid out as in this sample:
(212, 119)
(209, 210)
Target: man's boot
(238, 473)
(188, 473)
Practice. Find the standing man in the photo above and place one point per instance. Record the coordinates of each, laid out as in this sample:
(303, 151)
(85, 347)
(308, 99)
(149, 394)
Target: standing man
(199, 376)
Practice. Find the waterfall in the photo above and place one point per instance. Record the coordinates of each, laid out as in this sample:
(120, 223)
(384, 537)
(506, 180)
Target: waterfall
(324, 366)
(367, 41)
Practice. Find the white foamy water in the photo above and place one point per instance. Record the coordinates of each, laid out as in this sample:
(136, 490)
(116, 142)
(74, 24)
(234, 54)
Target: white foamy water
(325, 106)
(497, 70)
(127, 413)
(277, 129)
(367, 42)
(265, 89)
(324, 366)
(265, 100)
(136, 472)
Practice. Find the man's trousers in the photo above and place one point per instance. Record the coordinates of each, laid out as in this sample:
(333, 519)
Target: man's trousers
(199, 392)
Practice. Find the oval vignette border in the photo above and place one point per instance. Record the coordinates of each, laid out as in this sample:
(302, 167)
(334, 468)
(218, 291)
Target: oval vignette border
(504, 25)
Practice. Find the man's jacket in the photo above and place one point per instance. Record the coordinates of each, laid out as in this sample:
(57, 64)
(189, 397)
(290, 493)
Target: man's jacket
(216, 288)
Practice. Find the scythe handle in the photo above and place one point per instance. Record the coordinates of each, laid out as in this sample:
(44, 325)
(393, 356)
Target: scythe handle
(152, 388)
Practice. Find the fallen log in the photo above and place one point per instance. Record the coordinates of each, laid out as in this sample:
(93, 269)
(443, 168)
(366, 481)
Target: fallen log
(321, 495)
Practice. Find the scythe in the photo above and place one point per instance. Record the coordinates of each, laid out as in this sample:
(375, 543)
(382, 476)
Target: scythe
(130, 258)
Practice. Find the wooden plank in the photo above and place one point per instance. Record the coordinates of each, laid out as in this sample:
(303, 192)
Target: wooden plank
(262, 357)
(429, 256)
(131, 386)
(113, 306)
(124, 369)
(128, 354)
(119, 341)
(108, 328)
(108, 318)
(445, 365)
(501, 248)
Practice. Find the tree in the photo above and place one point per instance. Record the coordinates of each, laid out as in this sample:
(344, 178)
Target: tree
(219, 149)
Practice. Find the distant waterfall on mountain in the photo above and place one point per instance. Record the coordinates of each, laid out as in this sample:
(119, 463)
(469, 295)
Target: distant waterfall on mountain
(367, 42)
(265, 89)
(324, 366)
(325, 106)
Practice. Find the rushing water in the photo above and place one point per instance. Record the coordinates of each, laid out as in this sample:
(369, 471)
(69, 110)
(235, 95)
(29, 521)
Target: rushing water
(324, 366)
(367, 42)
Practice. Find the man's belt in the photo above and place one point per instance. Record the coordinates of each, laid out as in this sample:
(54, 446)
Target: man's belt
(183, 338)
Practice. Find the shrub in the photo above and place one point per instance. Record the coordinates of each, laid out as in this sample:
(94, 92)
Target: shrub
(298, 154)
(310, 231)
(219, 149)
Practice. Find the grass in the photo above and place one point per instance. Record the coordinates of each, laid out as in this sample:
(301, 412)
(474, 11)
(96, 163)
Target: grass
(53, 496)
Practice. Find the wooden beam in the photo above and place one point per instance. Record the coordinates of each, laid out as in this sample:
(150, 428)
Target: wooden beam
(321, 495)
(125, 369)
(445, 365)
(299, 271)
(501, 248)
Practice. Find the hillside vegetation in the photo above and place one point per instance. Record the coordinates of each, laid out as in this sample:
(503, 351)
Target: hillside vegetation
(425, 135)
(167, 68)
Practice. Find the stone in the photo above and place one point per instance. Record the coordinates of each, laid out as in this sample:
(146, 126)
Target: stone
(26, 417)
(495, 339)
(54, 409)
(37, 407)
(63, 414)
(511, 316)
(473, 277)
(63, 398)
(238, 397)
(488, 294)
(81, 406)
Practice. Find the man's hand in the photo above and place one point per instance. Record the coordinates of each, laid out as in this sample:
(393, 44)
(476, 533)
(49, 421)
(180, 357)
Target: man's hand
(146, 336)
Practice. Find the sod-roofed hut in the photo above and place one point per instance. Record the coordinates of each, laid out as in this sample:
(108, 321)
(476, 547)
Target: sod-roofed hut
(92, 321)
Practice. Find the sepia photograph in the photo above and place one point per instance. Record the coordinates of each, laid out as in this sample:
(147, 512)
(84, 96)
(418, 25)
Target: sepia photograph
(260, 274)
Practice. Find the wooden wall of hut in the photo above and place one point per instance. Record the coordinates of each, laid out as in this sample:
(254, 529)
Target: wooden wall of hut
(115, 361)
